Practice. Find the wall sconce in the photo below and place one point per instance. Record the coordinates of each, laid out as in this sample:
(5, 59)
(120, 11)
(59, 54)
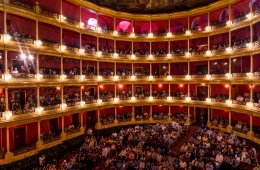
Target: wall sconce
(39, 110)
(208, 77)
(99, 53)
(188, 32)
(116, 99)
(188, 77)
(133, 77)
(8, 115)
(63, 106)
(151, 98)
(229, 23)
(38, 77)
(82, 77)
(63, 48)
(6, 38)
(250, 75)
(115, 55)
(249, 105)
(150, 35)
(62, 18)
(169, 77)
(116, 78)
(133, 56)
(208, 100)
(250, 15)
(208, 53)
(169, 56)
(99, 78)
(150, 78)
(81, 51)
(229, 76)
(208, 28)
(169, 98)
(229, 50)
(63, 77)
(188, 54)
(133, 98)
(98, 29)
(115, 33)
(169, 34)
(249, 46)
(150, 56)
(7, 77)
(132, 35)
(188, 99)
(229, 102)
(37, 43)
(81, 25)
(82, 103)
(99, 101)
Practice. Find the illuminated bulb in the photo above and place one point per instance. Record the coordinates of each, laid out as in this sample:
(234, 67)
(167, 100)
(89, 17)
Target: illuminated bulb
(30, 57)
(132, 34)
(208, 76)
(63, 106)
(115, 33)
(169, 34)
(249, 105)
(249, 46)
(98, 29)
(208, 28)
(226, 85)
(8, 115)
(169, 56)
(150, 35)
(229, 23)
(99, 78)
(229, 76)
(229, 50)
(116, 78)
(99, 53)
(188, 99)
(133, 77)
(188, 54)
(82, 77)
(229, 102)
(150, 56)
(63, 77)
(169, 77)
(133, 98)
(116, 99)
(23, 56)
(249, 75)
(39, 77)
(208, 53)
(188, 77)
(81, 24)
(208, 100)
(39, 110)
(150, 78)
(62, 18)
(151, 98)
(82, 103)
(133, 56)
(37, 43)
(81, 51)
(99, 101)
(63, 48)
(250, 16)
(115, 55)
(188, 32)
(169, 98)
(6, 37)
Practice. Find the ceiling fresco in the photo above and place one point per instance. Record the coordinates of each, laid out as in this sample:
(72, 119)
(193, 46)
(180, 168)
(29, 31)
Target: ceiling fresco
(151, 6)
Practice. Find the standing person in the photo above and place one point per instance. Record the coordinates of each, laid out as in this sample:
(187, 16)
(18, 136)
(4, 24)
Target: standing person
(89, 133)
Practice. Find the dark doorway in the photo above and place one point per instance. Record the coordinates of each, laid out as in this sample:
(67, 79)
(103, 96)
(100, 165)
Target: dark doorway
(75, 119)
(138, 110)
(91, 91)
(20, 97)
(202, 92)
(19, 138)
(91, 69)
(90, 119)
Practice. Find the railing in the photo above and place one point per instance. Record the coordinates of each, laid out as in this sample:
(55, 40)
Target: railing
(21, 4)
(51, 139)
(50, 14)
(50, 44)
(51, 76)
(23, 76)
(24, 150)
(51, 107)
(24, 111)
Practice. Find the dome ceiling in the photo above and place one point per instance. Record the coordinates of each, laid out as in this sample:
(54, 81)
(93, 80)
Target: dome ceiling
(151, 6)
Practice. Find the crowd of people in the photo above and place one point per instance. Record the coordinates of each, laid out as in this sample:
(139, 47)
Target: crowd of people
(18, 107)
(20, 36)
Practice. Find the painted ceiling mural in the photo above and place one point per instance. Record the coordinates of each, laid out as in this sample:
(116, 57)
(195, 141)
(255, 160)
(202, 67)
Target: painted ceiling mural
(151, 6)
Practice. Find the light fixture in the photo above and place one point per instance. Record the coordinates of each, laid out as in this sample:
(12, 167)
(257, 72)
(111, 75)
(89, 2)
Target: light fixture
(188, 54)
(228, 75)
(6, 38)
(249, 46)
(229, 23)
(99, 78)
(208, 100)
(82, 103)
(132, 35)
(37, 43)
(98, 29)
(23, 56)
(116, 99)
(30, 57)
(229, 50)
(208, 53)
(188, 99)
(63, 48)
(169, 34)
(250, 15)
(81, 25)
(116, 77)
(63, 77)
(250, 75)
(115, 33)
(169, 56)
(169, 98)
(133, 98)
(208, 28)
(133, 56)
(99, 101)
(229, 102)
(150, 98)
(188, 32)
(115, 55)
(81, 51)
(63, 106)
(133, 77)
(150, 56)
(150, 77)
(208, 77)
(99, 53)
(82, 77)
(8, 115)
(249, 105)
(169, 77)
(150, 35)
(39, 110)
(62, 18)
(38, 77)
(188, 77)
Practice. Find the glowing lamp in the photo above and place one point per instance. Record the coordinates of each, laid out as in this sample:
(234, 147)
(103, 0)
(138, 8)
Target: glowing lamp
(151, 98)
(82, 103)
(188, 77)
(150, 78)
(249, 105)
(133, 56)
(188, 32)
(229, 50)
(99, 78)
(30, 57)
(63, 48)
(133, 98)
(132, 35)
(81, 51)
(169, 77)
(229, 76)
(133, 77)
(229, 102)
(38, 77)
(150, 56)
(169, 56)
(150, 35)
(37, 43)
(208, 77)
(6, 38)
(62, 18)
(98, 29)
(249, 46)
(82, 77)
(250, 15)
(63, 77)
(249, 75)
(115, 33)
(99, 53)
(208, 53)
(188, 54)
(169, 98)
(169, 34)
(229, 23)
(208, 100)
(116, 99)
(63, 106)
(188, 99)
(8, 115)
(116, 78)
(81, 25)
(39, 110)
(115, 55)
(208, 28)
(23, 56)
(99, 101)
